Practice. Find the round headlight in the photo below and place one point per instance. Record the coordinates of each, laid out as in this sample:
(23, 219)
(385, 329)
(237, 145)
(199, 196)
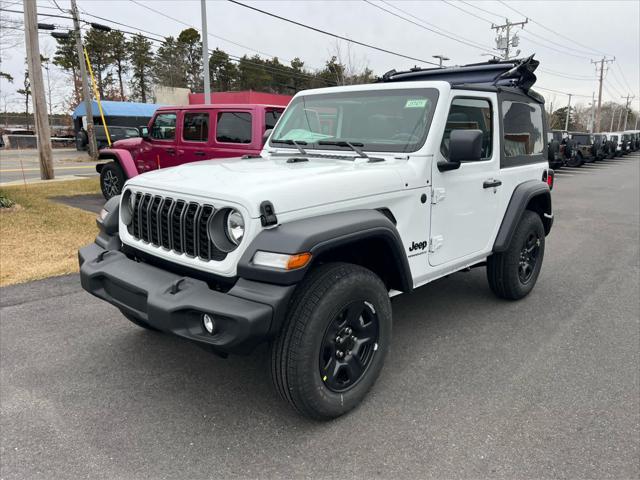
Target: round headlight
(226, 229)
(235, 226)
(126, 213)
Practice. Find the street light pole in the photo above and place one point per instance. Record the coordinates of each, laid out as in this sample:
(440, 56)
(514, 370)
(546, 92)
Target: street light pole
(205, 52)
(566, 121)
(441, 58)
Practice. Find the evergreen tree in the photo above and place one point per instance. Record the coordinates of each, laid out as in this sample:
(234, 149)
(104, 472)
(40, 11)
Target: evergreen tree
(120, 54)
(169, 65)
(66, 57)
(99, 49)
(224, 73)
(141, 59)
(191, 48)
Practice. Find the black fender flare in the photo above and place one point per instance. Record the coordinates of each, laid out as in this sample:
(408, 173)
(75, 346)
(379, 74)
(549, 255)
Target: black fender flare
(319, 235)
(534, 193)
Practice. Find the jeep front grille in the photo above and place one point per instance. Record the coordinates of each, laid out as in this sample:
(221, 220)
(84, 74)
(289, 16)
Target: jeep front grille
(174, 225)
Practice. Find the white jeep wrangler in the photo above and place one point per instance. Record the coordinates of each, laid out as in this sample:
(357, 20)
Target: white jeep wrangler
(361, 193)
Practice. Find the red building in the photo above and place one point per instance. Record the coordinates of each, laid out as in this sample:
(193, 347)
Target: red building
(247, 96)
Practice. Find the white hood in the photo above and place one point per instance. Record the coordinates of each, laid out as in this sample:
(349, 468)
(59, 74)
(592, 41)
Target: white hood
(288, 186)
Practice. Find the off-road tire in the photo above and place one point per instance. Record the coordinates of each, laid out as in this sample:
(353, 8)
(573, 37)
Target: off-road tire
(81, 141)
(575, 161)
(111, 180)
(503, 268)
(138, 322)
(296, 352)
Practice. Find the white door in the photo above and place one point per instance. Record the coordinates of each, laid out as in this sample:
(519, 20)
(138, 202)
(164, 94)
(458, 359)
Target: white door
(465, 200)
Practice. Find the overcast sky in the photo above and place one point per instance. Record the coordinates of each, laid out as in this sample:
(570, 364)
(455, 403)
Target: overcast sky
(595, 27)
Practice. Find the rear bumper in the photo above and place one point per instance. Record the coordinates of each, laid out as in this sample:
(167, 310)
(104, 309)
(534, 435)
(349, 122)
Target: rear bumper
(245, 315)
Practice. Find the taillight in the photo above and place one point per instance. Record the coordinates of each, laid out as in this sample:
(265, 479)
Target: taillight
(548, 176)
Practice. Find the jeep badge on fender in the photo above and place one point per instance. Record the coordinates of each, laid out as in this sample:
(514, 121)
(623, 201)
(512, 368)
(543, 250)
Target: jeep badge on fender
(192, 250)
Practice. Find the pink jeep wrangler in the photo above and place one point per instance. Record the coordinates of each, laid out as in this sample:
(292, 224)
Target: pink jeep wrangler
(182, 134)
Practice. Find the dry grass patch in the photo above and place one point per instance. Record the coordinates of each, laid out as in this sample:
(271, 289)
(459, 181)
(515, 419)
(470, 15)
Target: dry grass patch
(40, 238)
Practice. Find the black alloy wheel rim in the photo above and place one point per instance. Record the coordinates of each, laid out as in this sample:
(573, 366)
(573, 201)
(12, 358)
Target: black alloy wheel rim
(348, 346)
(111, 184)
(529, 257)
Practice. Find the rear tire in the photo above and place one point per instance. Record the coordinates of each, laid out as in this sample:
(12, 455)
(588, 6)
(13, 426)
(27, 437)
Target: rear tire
(332, 346)
(513, 274)
(111, 180)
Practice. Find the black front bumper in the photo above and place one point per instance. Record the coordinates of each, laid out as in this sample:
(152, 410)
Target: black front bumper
(247, 314)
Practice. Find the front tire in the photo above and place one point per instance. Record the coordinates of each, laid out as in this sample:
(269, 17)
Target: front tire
(334, 341)
(111, 180)
(513, 274)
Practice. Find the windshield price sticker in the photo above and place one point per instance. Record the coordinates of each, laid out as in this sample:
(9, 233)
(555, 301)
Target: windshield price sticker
(418, 103)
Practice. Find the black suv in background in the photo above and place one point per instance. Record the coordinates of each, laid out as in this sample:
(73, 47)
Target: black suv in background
(560, 151)
(606, 148)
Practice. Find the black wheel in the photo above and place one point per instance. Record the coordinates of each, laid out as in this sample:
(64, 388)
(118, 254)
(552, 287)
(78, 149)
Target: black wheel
(513, 274)
(140, 323)
(81, 141)
(111, 180)
(333, 344)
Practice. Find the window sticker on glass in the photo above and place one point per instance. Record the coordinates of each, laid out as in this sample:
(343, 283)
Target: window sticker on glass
(416, 103)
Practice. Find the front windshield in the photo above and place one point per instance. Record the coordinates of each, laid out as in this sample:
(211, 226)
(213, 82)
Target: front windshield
(377, 120)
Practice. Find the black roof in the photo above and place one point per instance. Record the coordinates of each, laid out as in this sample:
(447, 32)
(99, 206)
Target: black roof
(517, 74)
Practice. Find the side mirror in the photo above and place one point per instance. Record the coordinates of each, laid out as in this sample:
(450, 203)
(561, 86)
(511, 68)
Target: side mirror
(464, 146)
(266, 134)
(144, 132)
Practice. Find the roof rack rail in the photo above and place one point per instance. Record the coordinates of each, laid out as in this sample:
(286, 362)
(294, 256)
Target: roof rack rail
(504, 73)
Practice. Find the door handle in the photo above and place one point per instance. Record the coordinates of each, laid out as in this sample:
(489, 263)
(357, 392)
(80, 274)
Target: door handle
(170, 151)
(200, 154)
(491, 183)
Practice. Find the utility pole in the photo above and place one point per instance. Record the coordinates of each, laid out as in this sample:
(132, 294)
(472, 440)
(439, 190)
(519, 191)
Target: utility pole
(566, 121)
(602, 63)
(593, 111)
(93, 147)
(613, 116)
(41, 119)
(441, 58)
(505, 43)
(626, 110)
(205, 52)
(619, 120)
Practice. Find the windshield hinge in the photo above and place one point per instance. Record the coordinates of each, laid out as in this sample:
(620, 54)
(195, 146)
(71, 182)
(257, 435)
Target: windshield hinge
(267, 214)
(438, 195)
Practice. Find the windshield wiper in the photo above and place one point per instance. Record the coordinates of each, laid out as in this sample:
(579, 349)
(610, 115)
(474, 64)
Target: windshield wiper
(295, 143)
(355, 146)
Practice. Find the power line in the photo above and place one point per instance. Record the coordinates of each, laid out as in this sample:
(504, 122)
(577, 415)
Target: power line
(562, 93)
(324, 32)
(482, 9)
(623, 77)
(451, 4)
(569, 77)
(234, 58)
(559, 50)
(464, 41)
(551, 30)
(209, 34)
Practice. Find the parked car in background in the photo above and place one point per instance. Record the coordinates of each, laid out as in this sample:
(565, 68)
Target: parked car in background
(635, 140)
(560, 149)
(606, 146)
(584, 145)
(183, 134)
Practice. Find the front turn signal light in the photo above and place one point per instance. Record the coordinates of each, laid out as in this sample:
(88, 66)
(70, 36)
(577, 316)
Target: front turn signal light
(281, 261)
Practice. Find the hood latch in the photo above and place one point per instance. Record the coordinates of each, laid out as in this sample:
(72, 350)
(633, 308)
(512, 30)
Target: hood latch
(267, 214)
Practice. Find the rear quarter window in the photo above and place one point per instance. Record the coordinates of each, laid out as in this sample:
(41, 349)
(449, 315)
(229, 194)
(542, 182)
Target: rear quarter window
(234, 127)
(523, 129)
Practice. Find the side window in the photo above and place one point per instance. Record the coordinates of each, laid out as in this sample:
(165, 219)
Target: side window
(195, 127)
(164, 127)
(271, 118)
(233, 127)
(522, 128)
(470, 114)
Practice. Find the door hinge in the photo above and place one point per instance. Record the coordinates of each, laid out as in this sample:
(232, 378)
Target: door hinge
(438, 195)
(435, 243)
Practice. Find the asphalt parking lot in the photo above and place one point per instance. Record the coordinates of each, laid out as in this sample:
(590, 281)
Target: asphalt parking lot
(474, 387)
